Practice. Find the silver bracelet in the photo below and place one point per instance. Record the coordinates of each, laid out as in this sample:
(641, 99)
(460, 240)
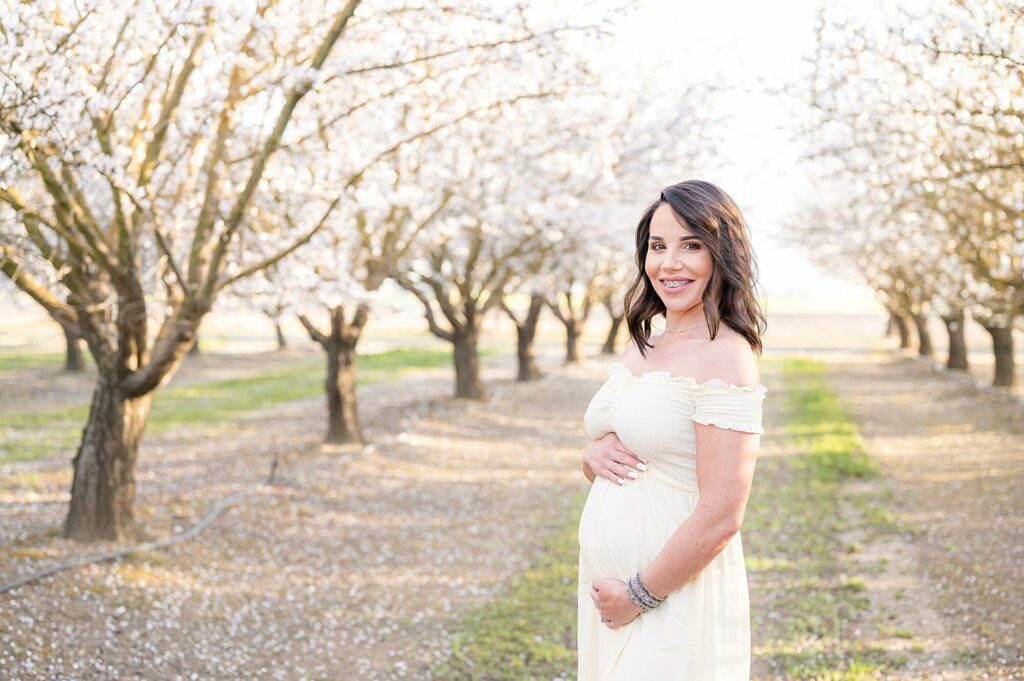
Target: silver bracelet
(656, 599)
(641, 595)
(639, 598)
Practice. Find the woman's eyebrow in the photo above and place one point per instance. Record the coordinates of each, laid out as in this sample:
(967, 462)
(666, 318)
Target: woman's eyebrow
(655, 237)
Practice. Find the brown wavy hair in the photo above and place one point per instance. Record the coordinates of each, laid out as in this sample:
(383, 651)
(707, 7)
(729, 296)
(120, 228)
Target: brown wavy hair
(729, 297)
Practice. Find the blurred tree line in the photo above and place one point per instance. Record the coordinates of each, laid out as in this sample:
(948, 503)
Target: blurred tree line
(917, 145)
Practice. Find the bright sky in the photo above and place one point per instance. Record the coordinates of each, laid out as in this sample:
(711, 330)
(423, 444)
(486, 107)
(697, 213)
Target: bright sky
(757, 45)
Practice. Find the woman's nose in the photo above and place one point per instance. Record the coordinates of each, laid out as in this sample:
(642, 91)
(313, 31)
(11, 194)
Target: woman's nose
(674, 262)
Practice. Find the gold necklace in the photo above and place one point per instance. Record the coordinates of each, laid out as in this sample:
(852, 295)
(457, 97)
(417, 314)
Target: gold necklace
(668, 330)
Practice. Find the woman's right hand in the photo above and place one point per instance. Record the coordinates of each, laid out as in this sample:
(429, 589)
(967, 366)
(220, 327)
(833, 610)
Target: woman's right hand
(609, 458)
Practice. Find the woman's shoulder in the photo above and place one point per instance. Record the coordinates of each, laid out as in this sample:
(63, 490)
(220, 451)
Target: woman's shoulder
(730, 358)
(630, 353)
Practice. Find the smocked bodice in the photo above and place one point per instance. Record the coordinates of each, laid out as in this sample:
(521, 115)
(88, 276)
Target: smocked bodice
(653, 415)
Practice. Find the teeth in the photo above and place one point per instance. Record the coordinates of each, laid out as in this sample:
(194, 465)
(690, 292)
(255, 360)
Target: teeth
(675, 284)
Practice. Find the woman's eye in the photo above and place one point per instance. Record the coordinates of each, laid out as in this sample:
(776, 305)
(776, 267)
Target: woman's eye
(695, 245)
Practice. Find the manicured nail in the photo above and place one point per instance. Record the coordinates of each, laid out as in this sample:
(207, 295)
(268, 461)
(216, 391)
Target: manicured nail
(642, 466)
(632, 474)
(621, 481)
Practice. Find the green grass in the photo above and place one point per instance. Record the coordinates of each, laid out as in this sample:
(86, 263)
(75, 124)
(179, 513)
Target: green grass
(862, 663)
(819, 426)
(964, 656)
(529, 634)
(29, 435)
(210, 403)
(12, 361)
(808, 607)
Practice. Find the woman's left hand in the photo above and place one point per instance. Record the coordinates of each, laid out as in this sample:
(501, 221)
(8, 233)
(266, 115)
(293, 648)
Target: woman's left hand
(613, 602)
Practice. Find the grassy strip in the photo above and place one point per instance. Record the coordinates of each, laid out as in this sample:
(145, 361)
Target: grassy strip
(209, 403)
(792, 535)
(530, 633)
(807, 598)
(31, 435)
(37, 360)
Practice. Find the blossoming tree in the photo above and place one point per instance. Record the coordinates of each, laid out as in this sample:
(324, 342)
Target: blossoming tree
(154, 154)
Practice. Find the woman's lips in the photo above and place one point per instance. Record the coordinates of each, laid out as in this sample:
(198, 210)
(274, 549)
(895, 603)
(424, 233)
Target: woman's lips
(676, 289)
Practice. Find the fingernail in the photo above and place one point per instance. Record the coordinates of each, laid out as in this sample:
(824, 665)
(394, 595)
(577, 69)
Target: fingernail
(632, 474)
(642, 466)
(621, 481)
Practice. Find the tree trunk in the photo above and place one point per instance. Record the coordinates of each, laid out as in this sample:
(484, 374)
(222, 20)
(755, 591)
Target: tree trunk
(957, 358)
(1002, 348)
(613, 333)
(342, 412)
(194, 350)
(527, 362)
(103, 487)
(282, 343)
(103, 479)
(904, 331)
(74, 360)
(572, 342)
(467, 366)
(340, 384)
(924, 337)
(890, 324)
(525, 335)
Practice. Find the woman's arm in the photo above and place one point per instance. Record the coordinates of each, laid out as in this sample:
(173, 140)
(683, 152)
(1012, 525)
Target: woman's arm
(725, 471)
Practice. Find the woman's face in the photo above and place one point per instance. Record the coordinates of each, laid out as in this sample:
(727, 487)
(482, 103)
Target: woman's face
(675, 254)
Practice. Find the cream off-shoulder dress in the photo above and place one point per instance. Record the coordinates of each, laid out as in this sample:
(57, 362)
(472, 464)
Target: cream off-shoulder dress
(702, 631)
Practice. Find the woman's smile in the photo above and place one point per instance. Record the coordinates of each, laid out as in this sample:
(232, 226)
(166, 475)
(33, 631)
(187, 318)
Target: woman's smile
(675, 286)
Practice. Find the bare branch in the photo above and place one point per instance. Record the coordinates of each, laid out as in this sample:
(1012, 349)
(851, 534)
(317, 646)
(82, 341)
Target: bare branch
(318, 337)
(282, 254)
(411, 286)
(465, 48)
(10, 266)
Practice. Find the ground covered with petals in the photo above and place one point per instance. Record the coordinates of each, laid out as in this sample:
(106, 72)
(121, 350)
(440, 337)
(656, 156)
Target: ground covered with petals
(355, 563)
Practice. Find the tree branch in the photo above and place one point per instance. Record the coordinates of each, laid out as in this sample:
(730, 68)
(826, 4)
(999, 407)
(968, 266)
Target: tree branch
(281, 255)
(270, 146)
(170, 106)
(35, 288)
(435, 329)
(318, 337)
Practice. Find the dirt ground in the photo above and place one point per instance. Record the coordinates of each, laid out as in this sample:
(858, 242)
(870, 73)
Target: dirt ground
(953, 459)
(357, 562)
(352, 565)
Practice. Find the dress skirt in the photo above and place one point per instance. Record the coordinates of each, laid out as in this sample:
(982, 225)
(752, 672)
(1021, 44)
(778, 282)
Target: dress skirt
(701, 632)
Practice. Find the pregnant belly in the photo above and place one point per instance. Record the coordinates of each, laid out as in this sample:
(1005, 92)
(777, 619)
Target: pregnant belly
(623, 527)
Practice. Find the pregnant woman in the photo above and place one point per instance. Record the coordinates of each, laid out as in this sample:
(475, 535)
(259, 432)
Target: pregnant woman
(675, 431)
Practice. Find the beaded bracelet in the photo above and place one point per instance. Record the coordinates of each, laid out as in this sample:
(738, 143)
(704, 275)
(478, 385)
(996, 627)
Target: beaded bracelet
(641, 595)
(638, 599)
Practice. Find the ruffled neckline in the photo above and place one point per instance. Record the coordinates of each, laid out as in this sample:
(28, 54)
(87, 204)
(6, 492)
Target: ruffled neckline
(690, 380)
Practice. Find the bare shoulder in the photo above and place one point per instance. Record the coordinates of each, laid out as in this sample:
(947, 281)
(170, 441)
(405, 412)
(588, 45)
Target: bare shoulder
(630, 353)
(730, 358)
